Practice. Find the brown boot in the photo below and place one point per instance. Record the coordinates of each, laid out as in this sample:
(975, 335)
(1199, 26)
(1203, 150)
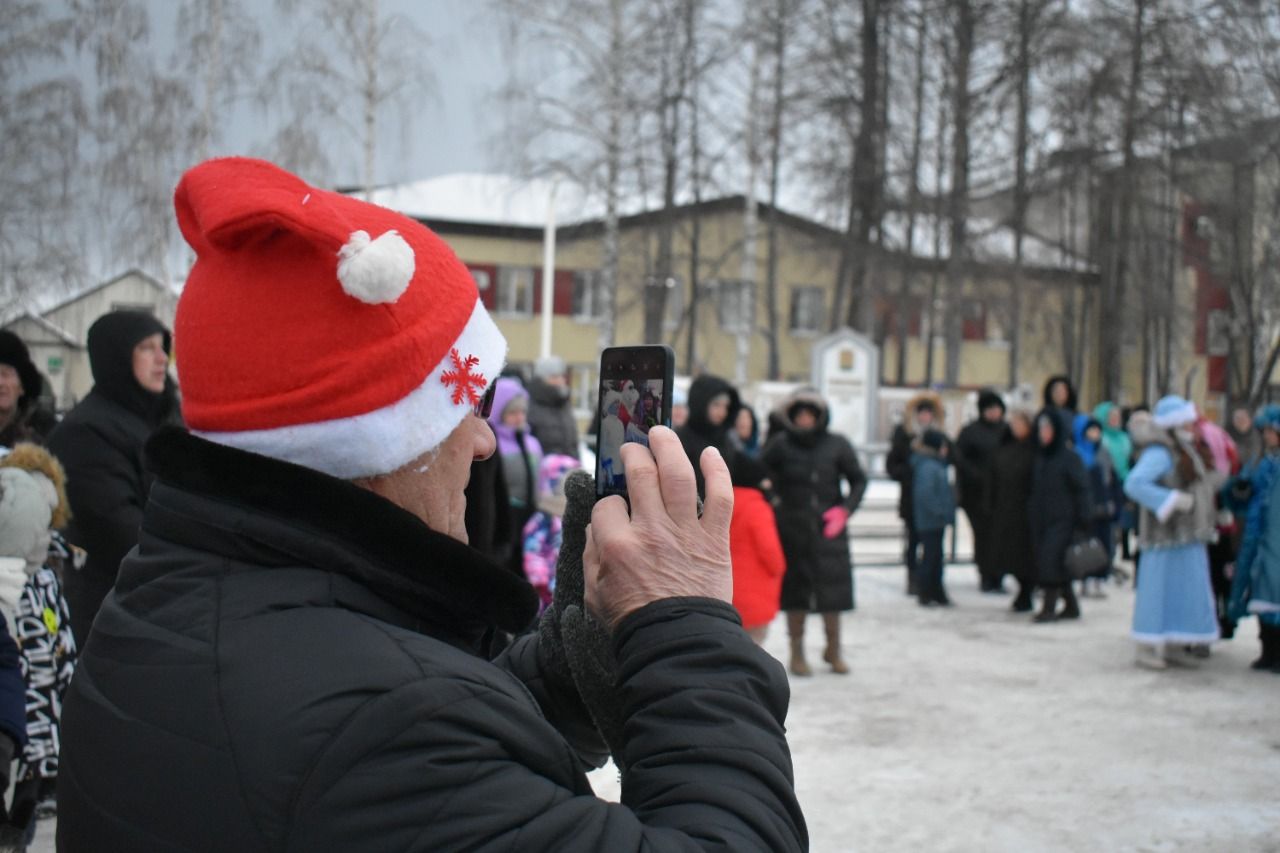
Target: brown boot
(831, 621)
(795, 628)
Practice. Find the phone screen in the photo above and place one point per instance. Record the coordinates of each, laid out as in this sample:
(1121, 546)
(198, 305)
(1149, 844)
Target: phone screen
(634, 397)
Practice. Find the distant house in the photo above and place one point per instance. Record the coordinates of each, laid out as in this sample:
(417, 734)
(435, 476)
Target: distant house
(57, 335)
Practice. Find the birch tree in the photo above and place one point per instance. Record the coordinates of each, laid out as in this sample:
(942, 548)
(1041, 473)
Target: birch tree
(351, 67)
(42, 112)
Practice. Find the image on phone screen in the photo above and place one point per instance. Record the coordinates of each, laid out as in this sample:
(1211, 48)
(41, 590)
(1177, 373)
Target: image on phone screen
(629, 408)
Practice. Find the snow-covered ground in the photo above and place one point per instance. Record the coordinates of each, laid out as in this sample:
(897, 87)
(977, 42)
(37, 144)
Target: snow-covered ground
(971, 729)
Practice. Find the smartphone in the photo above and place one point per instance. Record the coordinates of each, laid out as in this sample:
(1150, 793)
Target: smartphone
(634, 396)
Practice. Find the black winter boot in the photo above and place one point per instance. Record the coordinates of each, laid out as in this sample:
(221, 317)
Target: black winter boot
(1269, 659)
(1071, 610)
(1048, 611)
(1023, 603)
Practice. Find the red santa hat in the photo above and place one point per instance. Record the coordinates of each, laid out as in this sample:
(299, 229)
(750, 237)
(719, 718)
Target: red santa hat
(320, 329)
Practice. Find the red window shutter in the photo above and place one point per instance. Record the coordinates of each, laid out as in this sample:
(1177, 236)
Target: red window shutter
(562, 299)
(975, 321)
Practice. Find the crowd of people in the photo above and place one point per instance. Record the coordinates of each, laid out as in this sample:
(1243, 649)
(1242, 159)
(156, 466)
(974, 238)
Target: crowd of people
(170, 565)
(1054, 497)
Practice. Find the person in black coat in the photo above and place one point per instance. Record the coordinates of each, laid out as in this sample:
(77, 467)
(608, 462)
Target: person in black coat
(299, 653)
(489, 528)
(1061, 398)
(1007, 494)
(1059, 509)
(22, 418)
(974, 447)
(922, 413)
(713, 408)
(99, 444)
(551, 408)
(807, 465)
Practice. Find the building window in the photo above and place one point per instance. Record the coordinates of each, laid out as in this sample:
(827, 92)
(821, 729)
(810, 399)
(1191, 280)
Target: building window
(515, 291)
(481, 278)
(974, 322)
(735, 305)
(807, 306)
(586, 295)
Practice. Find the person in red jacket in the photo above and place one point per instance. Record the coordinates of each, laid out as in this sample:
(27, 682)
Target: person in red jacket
(756, 550)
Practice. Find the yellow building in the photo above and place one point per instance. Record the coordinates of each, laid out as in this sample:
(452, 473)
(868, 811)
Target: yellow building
(497, 228)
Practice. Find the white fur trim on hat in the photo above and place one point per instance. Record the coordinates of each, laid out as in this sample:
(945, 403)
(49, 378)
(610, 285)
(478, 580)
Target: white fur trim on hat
(375, 271)
(1176, 415)
(386, 439)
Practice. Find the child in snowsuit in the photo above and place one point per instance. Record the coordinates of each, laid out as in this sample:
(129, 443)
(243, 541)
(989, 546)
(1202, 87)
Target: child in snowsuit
(934, 505)
(1255, 589)
(37, 614)
(756, 549)
(542, 533)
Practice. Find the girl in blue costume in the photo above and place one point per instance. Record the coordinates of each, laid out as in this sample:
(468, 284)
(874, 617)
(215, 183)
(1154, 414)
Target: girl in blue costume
(1256, 586)
(1174, 487)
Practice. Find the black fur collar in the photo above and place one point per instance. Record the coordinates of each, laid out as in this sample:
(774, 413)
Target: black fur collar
(471, 586)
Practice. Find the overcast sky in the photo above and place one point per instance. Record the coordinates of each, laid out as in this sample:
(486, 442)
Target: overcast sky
(455, 130)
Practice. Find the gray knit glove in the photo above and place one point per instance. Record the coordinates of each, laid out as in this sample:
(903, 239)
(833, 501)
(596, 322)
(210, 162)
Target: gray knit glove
(572, 643)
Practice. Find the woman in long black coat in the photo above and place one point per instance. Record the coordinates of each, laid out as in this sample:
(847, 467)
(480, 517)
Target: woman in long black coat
(807, 464)
(1007, 494)
(100, 442)
(1060, 506)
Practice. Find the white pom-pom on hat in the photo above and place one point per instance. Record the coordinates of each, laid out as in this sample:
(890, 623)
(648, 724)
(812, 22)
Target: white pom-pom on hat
(375, 271)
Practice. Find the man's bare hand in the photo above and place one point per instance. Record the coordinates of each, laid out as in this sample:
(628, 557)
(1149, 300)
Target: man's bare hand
(662, 550)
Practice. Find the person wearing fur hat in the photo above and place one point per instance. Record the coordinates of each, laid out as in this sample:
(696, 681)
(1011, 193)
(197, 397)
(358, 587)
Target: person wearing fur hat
(1059, 509)
(808, 464)
(934, 504)
(922, 413)
(304, 652)
(974, 446)
(1255, 589)
(34, 501)
(1174, 485)
(100, 442)
(21, 417)
(551, 408)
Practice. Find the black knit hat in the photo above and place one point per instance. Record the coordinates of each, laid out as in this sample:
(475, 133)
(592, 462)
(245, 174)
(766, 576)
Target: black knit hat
(13, 352)
(988, 398)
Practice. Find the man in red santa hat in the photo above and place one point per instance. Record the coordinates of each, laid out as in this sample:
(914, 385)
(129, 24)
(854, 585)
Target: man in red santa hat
(302, 652)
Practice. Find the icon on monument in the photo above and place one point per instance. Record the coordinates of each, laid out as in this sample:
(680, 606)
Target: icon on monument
(848, 360)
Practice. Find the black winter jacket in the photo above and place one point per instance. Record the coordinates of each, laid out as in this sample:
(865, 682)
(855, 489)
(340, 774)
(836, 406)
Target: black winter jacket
(291, 663)
(1059, 508)
(698, 433)
(807, 468)
(973, 449)
(551, 418)
(99, 444)
(1007, 494)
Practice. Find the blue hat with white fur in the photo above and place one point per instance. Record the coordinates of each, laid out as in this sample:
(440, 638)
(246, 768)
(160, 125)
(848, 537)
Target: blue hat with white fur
(1173, 411)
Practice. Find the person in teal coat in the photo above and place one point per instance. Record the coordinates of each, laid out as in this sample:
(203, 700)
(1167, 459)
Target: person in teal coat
(1255, 588)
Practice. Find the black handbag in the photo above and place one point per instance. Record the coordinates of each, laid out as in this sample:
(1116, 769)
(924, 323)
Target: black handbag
(1086, 556)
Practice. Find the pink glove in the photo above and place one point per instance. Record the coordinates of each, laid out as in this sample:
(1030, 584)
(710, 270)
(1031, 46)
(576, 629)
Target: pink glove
(834, 521)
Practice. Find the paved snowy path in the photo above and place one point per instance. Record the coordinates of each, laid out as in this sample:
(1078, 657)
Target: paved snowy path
(971, 729)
